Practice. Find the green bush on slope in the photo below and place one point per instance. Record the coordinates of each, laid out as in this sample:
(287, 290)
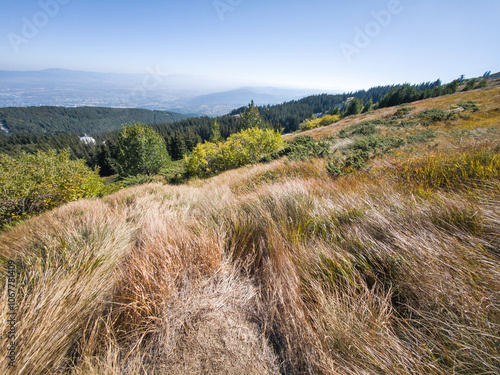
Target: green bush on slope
(141, 150)
(242, 148)
(31, 184)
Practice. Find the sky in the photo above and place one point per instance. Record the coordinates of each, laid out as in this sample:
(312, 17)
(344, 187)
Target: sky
(320, 44)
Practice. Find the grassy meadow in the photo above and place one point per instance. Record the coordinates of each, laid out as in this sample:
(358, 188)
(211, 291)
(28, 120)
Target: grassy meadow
(380, 258)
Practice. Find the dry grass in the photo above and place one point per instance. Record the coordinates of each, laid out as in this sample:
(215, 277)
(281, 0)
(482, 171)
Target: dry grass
(66, 263)
(269, 269)
(489, 116)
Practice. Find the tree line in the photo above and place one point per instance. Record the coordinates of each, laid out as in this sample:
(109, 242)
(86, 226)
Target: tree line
(56, 120)
(182, 136)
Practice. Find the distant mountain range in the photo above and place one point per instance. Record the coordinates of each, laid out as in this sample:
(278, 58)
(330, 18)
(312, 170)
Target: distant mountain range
(153, 90)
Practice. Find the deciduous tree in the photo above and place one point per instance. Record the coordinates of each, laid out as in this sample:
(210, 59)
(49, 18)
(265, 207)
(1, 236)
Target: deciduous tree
(140, 150)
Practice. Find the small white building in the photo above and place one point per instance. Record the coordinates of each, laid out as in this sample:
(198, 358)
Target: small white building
(87, 140)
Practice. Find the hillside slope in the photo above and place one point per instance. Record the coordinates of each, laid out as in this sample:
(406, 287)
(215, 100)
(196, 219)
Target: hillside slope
(490, 97)
(392, 267)
(49, 120)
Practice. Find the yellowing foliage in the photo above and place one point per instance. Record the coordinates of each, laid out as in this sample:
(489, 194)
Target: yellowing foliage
(242, 148)
(451, 170)
(31, 184)
(318, 122)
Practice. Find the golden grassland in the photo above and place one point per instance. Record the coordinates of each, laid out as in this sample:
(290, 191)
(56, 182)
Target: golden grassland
(488, 116)
(276, 268)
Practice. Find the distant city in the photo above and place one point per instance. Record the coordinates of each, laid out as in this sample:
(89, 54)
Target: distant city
(186, 95)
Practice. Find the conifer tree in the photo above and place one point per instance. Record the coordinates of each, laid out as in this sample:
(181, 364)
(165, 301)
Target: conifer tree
(215, 135)
(251, 118)
(335, 111)
(368, 106)
(140, 150)
(178, 146)
(354, 107)
(191, 140)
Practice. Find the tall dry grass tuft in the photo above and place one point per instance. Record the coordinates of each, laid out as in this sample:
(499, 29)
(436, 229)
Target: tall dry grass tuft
(66, 262)
(260, 243)
(264, 271)
(422, 270)
(180, 306)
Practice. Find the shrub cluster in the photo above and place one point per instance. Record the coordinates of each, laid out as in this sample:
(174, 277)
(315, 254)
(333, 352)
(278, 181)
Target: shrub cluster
(314, 123)
(421, 136)
(347, 163)
(364, 128)
(430, 116)
(34, 183)
(359, 152)
(469, 105)
(403, 112)
(377, 144)
(245, 147)
(304, 147)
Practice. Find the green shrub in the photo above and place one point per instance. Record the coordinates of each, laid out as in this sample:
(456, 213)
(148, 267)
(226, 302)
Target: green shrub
(408, 123)
(403, 112)
(469, 105)
(31, 184)
(304, 147)
(421, 136)
(364, 128)
(356, 159)
(433, 115)
(348, 162)
(141, 150)
(374, 143)
(174, 173)
(334, 167)
(245, 147)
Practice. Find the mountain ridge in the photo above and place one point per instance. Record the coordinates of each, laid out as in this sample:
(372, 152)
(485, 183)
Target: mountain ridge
(153, 90)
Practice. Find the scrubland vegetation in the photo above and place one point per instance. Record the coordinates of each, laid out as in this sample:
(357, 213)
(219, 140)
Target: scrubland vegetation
(317, 122)
(31, 184)
(373, 249)
(240, 149)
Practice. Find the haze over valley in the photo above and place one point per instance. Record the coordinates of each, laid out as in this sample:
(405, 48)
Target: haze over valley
(152, 90)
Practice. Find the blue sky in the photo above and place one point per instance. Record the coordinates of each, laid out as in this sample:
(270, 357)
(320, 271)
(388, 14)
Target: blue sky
(329, 45)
